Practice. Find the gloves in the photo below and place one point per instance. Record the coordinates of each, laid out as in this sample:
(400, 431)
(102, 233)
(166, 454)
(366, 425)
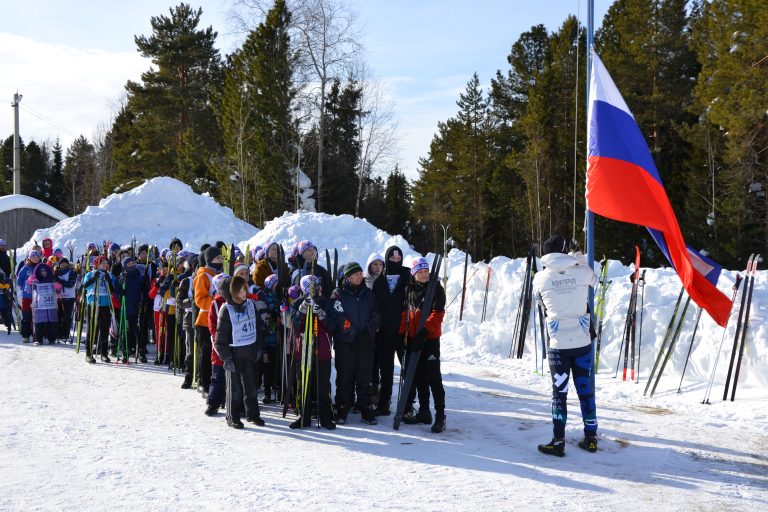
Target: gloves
(416, 343)
(303, 307)
(229, 365)
(318, 311)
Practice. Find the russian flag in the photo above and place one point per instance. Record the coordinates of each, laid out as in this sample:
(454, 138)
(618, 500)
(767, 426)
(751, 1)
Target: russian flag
(623, 184)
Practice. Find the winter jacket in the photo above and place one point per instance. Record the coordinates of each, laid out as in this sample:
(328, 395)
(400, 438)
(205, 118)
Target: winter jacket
(265, 268)
(228, 332)
(183, 295)
(562, 287)
(270, 320)
(5, 263)
(203, 294)
(355, 313)
(5, 291)
(133, 289)
(389, 289)
(24, 273)
(213, 324)
(67, 279)
(47, 248)
(106, 287)
(415, 302)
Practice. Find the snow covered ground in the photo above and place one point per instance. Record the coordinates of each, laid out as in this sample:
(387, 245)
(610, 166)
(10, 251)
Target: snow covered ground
(100, 437)
(81, 437)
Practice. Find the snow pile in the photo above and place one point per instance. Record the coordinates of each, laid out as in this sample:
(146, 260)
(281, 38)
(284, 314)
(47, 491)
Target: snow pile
(155, 212)
(355, 239)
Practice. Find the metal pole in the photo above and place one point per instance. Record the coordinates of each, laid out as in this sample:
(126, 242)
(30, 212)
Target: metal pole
(445, 252)
(590, 218)
(16, 145)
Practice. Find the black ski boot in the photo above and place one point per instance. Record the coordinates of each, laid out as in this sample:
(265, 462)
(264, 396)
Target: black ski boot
(105, 359)
(256, 421)
(91, 359)
(341, 415)
(235, 423)
(369, 416)
(326, 422)
(424, 416)
(300, 423)
(554, 447)
(383, 408)
(143, 358)
(187, 384)
(212, 410)
(267, 396)
(439, 424)
(589, 443)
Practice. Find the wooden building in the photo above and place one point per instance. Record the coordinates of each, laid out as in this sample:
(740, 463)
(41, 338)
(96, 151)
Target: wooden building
(21, 216)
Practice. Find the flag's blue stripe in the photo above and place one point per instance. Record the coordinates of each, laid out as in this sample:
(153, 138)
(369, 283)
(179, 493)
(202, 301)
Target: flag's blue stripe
(615, 134)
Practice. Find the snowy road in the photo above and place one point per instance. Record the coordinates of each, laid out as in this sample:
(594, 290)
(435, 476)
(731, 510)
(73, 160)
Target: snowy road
(113, 437)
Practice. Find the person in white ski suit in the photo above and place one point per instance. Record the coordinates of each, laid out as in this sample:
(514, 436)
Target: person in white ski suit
(562, 287)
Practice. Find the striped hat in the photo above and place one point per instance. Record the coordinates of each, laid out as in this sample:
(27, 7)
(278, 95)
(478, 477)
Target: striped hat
(419, 264)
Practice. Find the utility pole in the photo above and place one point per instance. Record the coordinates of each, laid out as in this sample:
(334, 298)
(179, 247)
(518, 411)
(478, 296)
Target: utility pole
(16, 145)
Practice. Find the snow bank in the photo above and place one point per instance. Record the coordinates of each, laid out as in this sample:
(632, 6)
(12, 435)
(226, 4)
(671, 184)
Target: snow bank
(355, 239)
(155, 212)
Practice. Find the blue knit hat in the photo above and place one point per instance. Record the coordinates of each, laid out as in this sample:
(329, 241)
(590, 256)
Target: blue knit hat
(419, 264)
(270, 282)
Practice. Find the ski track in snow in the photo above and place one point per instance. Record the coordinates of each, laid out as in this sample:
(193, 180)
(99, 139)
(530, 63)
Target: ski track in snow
(100, 437)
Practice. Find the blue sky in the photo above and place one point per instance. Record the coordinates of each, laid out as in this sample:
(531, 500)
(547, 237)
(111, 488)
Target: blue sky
(70, 60)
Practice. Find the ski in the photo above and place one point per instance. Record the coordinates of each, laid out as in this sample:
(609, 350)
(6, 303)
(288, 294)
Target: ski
(667, 335)
(708, 391)
(524, 307)
(671, 347)
(628, 341)
(745, 326)
(463, 287)
(413, 358)
(485, 295)
(744, 293)
(640, 335)
(604, 283)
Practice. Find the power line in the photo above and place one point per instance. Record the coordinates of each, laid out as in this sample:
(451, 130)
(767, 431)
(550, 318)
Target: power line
(49, 121)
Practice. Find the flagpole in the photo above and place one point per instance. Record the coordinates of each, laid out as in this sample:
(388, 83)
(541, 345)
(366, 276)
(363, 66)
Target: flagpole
(590, 218)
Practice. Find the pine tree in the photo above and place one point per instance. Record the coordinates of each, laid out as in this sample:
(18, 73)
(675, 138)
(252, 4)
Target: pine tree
(255, 113)
(79, 175)
(172, 130)
(341, 148)
(729, 39)
(397, 198)
(57, 186)
(6, 184)
(34, 171)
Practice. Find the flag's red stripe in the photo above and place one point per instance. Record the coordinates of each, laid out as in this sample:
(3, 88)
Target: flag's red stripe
(625, 192)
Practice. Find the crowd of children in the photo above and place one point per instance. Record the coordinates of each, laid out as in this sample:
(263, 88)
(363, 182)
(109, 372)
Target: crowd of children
(234, 323)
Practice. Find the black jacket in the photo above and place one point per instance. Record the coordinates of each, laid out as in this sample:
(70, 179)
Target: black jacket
(355, 312)
(224, 335)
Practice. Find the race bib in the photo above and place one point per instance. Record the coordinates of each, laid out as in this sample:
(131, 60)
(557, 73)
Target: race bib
(243, 325)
